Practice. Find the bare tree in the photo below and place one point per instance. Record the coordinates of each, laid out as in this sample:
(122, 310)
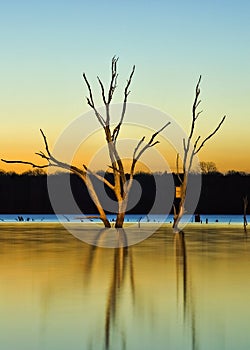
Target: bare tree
(121, 186)
(191, 147)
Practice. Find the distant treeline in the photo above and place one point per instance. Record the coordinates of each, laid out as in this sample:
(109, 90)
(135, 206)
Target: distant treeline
(27, 193)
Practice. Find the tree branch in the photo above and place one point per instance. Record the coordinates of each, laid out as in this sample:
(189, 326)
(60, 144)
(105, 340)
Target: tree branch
(91, 102)
(148, 145)
(24, 162)
(194, 108)
(177, 167)
(194, 118)
(114, 169)
(52, 161)
(126, 93)
(45, 142)
(103, 90)
(196, 142)
(209, 136)
(101, 178)
(114, 76)
(138, 146)
(112, 87)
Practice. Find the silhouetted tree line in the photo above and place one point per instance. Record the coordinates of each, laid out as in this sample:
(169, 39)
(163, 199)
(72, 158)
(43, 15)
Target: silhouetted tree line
(27, 193)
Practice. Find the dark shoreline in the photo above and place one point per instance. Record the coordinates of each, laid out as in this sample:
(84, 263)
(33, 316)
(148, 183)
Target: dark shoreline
(27, 193)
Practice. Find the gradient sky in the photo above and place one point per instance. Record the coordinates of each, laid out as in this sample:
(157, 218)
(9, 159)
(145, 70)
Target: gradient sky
(45, 47)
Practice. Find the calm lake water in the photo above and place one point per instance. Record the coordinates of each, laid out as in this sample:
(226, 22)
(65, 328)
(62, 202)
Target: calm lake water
(167, 292)
(226, 219)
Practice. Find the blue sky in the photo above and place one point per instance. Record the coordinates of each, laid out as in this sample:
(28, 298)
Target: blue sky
(45, 47)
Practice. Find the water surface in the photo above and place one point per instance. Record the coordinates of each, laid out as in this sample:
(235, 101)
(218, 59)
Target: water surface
(168, 292)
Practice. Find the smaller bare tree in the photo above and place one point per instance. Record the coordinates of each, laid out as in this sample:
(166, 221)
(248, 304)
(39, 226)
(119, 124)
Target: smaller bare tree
(191, 147)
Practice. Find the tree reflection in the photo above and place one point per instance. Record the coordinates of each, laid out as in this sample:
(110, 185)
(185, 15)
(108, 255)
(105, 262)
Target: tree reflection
(109, 275)
(122, 268)
(184, 285)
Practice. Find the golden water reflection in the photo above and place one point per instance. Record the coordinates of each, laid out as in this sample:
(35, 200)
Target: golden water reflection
(178, 291)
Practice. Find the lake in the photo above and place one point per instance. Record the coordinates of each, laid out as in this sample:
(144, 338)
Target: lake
(167, 292)
(225, 219)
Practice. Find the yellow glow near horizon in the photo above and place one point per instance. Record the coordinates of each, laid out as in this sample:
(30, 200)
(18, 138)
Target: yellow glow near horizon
(226, 155)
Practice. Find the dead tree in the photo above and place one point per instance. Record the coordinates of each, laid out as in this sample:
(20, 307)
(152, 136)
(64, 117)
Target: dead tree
(245, 205)
(121, 186)
(191, 147)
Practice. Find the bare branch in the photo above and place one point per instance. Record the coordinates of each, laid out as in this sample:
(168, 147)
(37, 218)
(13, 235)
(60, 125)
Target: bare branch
(155, 143)
(209, 136)
(101, 178)
(90, 217)
(184, 145)
(194, 108)
(42, 155)
(115, 169)
(197, 104)
(45, 142)
(157, 132)
(91, 102)
(197, 115)
(113, 84)
(148, 145)
(177, 167)
(126, 93)
(175, 212)
(24, 162)
(196, 142)
(138, 146)
(113, 81)
(103, 91)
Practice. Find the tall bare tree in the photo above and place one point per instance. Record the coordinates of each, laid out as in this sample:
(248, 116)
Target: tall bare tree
(121, 185)
(191, 147)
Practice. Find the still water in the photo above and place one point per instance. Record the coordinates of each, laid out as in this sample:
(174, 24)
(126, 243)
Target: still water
(167, 292)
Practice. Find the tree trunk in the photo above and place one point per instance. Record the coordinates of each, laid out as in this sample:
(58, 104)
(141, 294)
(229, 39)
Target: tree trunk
(178, 217)
(122, 206)
(95, 199)
(120, 219)
(181, 208)
(105, 222)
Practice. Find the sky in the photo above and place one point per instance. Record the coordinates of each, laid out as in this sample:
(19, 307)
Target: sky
(46, 46)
